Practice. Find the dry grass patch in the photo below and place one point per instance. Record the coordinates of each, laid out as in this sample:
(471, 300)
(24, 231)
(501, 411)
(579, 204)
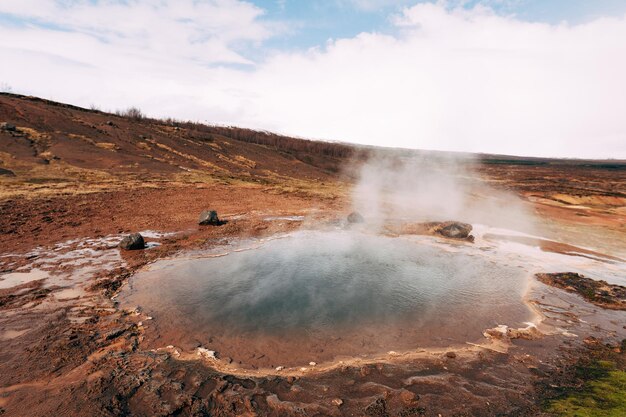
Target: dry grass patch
(108, 146)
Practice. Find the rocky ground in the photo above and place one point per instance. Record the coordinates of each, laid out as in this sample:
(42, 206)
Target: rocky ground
(72, 185)
(600, 293)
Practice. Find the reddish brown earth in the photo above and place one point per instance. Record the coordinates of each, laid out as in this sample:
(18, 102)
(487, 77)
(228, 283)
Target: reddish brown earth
(67, 173)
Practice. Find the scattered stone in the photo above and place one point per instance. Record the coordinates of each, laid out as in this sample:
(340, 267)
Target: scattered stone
(455, 230)
(337, 402)
(209, 218)
(133, 242)
(109, 123)
(312, 363)
(355, 217)
(206, 353)
(450, 355)
(279, 368)
(7, 172)
(8, 127)
(408, 397)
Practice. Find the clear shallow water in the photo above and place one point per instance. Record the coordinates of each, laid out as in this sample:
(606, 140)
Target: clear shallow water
(340, 292)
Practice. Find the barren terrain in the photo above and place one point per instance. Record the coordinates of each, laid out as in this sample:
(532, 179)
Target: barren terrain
(73, 182)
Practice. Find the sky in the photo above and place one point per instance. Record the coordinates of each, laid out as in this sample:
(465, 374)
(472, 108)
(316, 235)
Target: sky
(519, 77)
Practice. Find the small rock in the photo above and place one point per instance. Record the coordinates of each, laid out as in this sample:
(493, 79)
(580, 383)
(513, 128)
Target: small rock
(408, 397)
(7, 127)
(279, 368)
(312, 363)
(337, 402)
(206, 353)
(451, 355)
(355, 217)
(7, 172)
(109, 123)
(209, 218)
(133, 242)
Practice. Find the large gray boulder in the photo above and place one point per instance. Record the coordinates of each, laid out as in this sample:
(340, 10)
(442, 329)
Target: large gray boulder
(455, 230)
(133, 242)
(209, 218)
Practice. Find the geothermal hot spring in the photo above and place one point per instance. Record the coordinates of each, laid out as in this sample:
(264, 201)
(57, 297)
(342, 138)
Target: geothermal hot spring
(316, 296)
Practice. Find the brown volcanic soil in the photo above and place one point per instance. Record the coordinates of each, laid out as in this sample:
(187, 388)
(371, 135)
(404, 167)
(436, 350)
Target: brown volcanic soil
(66, 349)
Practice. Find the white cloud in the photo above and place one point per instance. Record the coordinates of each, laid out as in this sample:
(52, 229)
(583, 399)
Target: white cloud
(373, 5)
(196, 30)
(450, 79)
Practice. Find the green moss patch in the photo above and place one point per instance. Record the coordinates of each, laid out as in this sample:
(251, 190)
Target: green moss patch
(602, 394)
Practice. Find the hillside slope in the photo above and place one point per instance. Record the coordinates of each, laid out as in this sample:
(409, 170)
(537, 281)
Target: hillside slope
(67, 147)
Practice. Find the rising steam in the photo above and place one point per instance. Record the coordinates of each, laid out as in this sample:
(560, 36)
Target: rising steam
(434, 187)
